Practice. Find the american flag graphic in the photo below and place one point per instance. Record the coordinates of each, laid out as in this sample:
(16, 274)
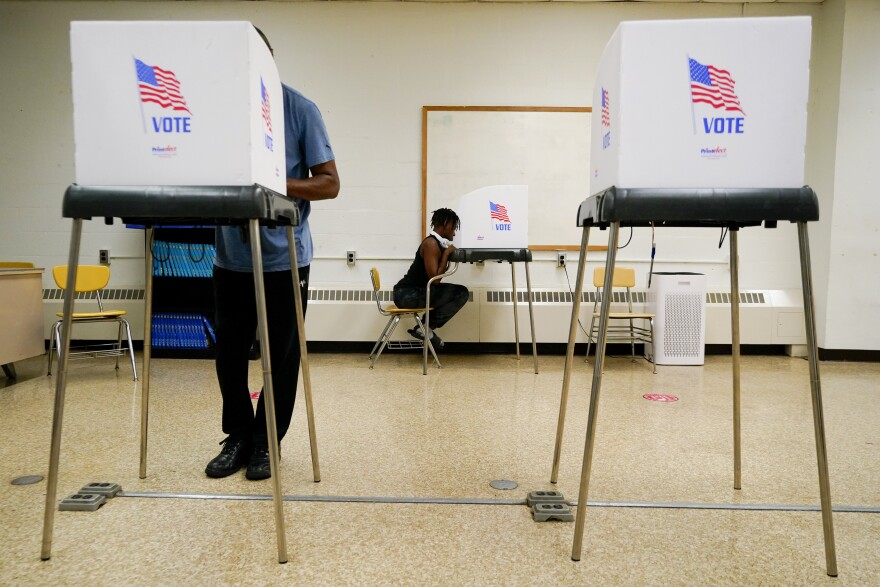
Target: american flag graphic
(159, 86)
(606, 108)
(498, 212)
(267, 110)
(713, 86)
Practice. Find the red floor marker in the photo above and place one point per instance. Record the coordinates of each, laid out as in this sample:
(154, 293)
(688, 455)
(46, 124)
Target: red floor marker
(659, 397)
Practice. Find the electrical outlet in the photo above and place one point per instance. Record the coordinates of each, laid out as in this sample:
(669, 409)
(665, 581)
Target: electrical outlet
(560, 260)
(104, 256)
(350, 258)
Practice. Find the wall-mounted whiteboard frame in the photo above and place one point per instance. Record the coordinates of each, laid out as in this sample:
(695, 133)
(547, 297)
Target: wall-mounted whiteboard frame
(544, 147)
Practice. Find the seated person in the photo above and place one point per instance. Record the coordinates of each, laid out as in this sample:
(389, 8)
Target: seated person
(431, 260)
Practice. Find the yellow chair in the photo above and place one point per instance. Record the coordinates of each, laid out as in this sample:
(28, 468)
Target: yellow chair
(16, 265)
(91, 278)
(623, 327)
(395, 315)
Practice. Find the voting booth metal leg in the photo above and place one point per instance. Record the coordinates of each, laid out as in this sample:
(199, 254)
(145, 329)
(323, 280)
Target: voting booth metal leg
(569, 353)
(515, 309)
(60, 386)
(531, 316)
(516, 312)
(816, 393)
(148, 350)
(269, 395)
(598, 365)
(734, 349)
(303, 353)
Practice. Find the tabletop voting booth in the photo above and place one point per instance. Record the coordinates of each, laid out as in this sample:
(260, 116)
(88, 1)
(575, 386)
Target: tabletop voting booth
(702, 123)
(495, 227)
(178, 123)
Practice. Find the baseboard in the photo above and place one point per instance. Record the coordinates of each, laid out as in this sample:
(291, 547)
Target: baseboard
(855, 355)
(525, 348)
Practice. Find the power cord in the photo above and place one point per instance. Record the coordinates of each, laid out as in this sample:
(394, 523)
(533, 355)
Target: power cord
(724, 231)
(571, 293)
(653, 252)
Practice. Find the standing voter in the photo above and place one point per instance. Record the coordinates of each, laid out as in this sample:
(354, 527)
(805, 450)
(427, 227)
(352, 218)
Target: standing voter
(311, 175)
(432, 259)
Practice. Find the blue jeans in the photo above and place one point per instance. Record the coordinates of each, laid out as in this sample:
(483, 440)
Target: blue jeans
(446, 300)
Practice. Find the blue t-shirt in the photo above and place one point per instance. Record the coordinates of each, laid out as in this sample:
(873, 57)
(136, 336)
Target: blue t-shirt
(306, 144)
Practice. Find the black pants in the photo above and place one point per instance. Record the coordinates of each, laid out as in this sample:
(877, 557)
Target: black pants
(235, 328)
(446, 300)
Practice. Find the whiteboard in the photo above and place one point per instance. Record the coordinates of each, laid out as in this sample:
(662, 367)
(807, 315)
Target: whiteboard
(546, 148)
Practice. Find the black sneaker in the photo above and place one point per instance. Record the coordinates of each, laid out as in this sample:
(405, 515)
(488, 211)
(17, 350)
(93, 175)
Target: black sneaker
(235, 453)
(418, 333)
(259, 467)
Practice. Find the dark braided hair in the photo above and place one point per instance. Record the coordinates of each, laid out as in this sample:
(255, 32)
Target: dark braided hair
(441, 216)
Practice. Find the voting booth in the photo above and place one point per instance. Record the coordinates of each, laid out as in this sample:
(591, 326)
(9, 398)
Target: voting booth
(179, 123)
(494, 217)
(718, 103)
(701, 123)
(495, 227)
(176, 103)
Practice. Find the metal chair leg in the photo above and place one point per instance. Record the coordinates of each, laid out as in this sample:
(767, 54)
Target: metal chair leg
(383, 340)
(118, 342)
(54, 343)
(428, 342)
(632, 340)
(426, 328)
(590, 334)
(134, 373)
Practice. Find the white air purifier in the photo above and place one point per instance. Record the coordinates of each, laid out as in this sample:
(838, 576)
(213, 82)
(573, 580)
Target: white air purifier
(678, 302)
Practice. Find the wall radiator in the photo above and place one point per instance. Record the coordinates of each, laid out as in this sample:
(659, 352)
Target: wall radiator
(767, 317)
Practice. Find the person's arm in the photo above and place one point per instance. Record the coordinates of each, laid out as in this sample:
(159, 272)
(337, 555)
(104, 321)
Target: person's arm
(322, 185)
(436, 260)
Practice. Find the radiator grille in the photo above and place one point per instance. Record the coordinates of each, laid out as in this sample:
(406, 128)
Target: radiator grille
(557, 297)
(745, 297)
(619, 297)
(492, 296)
(355, 295)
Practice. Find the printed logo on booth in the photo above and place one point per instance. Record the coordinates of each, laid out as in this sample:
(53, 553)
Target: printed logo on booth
(501, 220)
(266, 110)
(606, 119)
(160, 90)
(714, 90)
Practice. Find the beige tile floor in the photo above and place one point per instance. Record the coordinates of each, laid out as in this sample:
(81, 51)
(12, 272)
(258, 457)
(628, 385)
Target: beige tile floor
(392, 432)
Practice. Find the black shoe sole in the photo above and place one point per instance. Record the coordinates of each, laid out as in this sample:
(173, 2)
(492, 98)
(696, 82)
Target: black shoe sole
(257, 475)
(215, 474)
(221, 473)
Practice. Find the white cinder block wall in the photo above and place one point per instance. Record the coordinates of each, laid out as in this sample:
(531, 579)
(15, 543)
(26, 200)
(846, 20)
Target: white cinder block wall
(371, 66)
